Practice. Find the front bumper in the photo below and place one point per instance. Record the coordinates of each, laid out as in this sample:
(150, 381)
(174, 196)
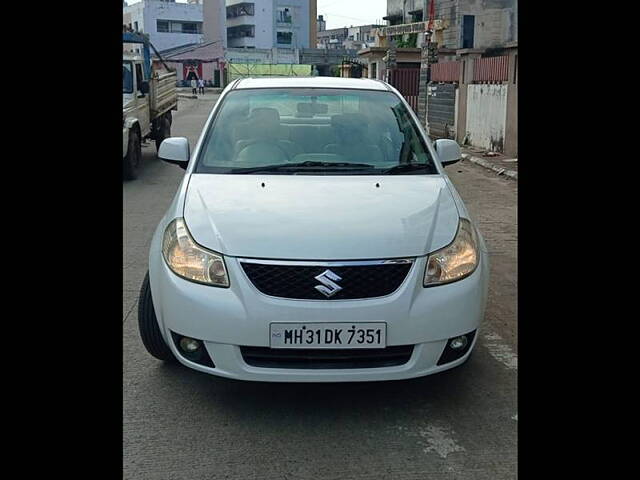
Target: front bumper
(227, 318)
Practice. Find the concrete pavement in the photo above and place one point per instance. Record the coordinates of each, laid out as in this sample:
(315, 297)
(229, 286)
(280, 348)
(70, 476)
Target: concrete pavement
(182, 424)
(497, 162)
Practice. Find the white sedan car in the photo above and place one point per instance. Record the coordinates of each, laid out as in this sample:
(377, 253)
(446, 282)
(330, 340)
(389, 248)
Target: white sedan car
(314, 238)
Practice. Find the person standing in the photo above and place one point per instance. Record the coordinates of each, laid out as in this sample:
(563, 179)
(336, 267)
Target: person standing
(194, 86)
(201, 86)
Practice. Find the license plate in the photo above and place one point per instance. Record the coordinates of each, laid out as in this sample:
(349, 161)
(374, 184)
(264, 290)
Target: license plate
(328, 335)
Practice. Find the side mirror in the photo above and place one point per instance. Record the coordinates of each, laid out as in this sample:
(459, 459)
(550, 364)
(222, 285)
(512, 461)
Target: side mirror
(175, 150)
(144, 87)
(448, 151)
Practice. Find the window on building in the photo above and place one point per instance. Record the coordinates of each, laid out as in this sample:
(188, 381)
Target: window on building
(374, 70)
(135, 25)
(240, 10)
(241, 31)
(191, 27)
(284, 15)
(170, 26)
(285, 37)
(468, 25)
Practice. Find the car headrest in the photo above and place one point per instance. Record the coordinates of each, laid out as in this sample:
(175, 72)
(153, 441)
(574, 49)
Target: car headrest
(350, 123)
(268, 115)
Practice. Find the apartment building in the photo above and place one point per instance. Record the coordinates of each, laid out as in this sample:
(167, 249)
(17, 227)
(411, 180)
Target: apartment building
(477, 24)
(271, 23)
(169, 24)
(333, 38)
(351, 38)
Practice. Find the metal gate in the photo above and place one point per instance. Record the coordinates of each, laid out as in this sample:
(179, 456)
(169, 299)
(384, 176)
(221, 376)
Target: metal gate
(407, 82)
(441, 109)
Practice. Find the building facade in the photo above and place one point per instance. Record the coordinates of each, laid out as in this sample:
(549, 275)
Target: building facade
(332, 38)
(168, 24)
(271, 23)
(214, 19)
(360, 37)
(478, 24)
(321, 24)
(375, 58)
(461, 24)
(350, 38)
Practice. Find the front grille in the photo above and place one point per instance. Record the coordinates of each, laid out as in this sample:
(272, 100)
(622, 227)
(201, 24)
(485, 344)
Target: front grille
(324, 358)
(357, 279)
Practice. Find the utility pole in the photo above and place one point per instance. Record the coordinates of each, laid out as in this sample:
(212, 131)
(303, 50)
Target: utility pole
(427, 57)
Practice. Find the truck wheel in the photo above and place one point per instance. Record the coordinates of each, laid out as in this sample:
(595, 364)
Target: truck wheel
(132, 161)
(148, 325)
(164, 131)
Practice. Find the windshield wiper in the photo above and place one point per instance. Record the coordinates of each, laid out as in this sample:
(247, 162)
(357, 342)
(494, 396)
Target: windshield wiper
(307, 164)
(405, 167)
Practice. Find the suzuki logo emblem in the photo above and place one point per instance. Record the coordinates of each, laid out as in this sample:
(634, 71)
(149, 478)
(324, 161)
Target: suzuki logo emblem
(328, 288)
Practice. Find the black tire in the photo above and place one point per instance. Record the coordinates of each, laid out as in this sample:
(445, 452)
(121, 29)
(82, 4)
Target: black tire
(148, 325)
(164, 131)
(131, 163)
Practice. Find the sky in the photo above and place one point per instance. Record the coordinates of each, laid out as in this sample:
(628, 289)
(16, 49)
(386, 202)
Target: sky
(343, 13)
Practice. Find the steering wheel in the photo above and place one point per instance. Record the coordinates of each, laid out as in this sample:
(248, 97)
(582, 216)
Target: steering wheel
(265, 143)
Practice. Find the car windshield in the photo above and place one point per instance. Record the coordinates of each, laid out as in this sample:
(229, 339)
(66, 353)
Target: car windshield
(127, 77)
(314, 131)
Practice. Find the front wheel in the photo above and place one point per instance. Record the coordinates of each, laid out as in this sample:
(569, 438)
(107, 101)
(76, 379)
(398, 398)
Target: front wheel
(148, 325)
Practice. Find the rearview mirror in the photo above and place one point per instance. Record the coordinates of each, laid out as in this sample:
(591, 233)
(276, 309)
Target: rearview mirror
(312, 108)
(175, 150)
(448, 151)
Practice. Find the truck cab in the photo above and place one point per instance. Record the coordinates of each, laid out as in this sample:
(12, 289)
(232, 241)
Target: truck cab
(148, 97)
(135, 89)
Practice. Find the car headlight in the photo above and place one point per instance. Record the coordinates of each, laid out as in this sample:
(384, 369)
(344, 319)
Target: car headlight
(456, 261)
(189, 260)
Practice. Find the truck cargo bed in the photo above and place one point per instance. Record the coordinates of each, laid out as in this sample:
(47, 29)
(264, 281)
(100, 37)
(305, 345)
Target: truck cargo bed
(164, 93)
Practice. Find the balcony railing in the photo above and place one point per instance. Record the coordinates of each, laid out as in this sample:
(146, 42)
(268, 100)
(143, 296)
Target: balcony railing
(241, 32)
(240, 9)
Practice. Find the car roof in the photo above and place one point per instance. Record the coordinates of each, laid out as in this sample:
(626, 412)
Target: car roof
(311, 82)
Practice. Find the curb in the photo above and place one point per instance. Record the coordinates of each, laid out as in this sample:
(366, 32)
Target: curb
(512, 174)
(194, 97)
(187, 90)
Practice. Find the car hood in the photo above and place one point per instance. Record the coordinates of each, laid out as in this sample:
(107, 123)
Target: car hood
(302, 217)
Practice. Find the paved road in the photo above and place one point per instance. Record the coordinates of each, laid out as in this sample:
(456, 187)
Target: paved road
(461, 424)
